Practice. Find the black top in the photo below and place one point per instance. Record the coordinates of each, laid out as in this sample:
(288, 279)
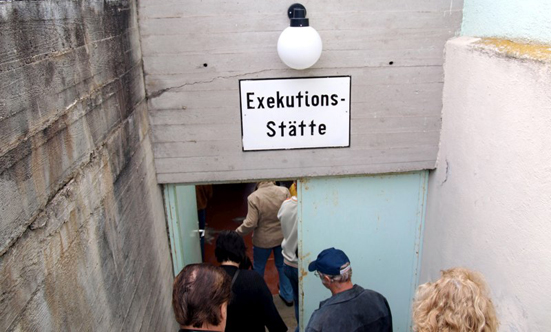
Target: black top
(252, 305)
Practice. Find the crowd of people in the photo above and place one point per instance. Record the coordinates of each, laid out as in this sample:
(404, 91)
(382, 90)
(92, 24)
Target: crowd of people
(232, 297)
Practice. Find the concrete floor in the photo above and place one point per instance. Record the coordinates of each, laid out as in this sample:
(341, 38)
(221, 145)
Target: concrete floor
(287, 313)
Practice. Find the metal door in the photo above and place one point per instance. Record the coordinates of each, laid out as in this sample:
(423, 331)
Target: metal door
(181, 211)
(378, 221)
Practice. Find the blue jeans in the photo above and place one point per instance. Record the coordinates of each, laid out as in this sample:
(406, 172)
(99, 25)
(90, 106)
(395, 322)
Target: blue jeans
(260, 258)
(292, 274)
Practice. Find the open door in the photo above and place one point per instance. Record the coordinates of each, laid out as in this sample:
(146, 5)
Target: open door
(181, 211)
(378, 221)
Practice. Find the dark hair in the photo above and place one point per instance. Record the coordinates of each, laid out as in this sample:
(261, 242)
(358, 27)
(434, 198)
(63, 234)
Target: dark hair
(198, 293)
(230, 247)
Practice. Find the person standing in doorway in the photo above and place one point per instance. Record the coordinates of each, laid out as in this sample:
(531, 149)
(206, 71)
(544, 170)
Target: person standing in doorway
(263, 205)
(350, 308)
(287, 215)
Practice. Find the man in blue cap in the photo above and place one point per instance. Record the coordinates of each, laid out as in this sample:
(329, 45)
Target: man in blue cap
(350, 308)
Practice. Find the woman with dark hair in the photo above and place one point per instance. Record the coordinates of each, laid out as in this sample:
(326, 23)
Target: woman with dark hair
(200, 297)
(252, 306)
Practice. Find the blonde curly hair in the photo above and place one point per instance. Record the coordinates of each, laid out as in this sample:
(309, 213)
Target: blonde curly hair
(457, 302)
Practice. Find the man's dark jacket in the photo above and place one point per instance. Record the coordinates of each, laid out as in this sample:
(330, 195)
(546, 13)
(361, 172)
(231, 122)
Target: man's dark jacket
(354, 310)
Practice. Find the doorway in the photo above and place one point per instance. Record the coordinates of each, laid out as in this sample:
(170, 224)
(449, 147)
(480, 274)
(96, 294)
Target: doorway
(377, 220)
(225, 209)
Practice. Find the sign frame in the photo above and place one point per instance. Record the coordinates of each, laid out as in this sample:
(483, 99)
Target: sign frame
(349, 95)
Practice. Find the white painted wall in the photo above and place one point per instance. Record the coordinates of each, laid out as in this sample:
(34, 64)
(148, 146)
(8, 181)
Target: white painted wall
(489, 201)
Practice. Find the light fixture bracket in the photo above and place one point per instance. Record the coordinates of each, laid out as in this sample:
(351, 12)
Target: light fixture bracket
(291, 10)
(297, 15)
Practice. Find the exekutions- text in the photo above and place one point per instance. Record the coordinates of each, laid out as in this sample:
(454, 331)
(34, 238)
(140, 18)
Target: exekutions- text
(299, 100)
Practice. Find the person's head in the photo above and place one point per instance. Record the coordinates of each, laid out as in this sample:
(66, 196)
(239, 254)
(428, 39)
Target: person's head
(457, 302)
(334, 269)
(230, 247)
(200, 296)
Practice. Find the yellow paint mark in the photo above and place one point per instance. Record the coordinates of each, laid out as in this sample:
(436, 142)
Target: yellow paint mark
(303, 274)
(518, 50)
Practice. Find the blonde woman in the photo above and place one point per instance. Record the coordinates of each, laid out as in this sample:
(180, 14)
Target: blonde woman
(457, 302)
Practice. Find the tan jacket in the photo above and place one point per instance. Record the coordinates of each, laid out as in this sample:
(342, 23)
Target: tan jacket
(264, 204)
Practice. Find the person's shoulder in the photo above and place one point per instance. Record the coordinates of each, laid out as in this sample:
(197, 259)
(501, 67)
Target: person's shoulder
(254, 195)
(249, 279)
(316, 316)
(324, 306)
(290, 201)
(282, 189)
(374, 298)
(318, 319)
(251, 283)
(251, 275)
(371, 293)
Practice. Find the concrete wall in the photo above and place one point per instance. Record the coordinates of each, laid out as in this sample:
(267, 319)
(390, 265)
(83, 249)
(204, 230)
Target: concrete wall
(508, 19)
(83, 244)
(196, 51)
(489, 200)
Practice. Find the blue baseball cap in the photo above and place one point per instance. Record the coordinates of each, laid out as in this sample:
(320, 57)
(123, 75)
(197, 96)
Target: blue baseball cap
(329, 262)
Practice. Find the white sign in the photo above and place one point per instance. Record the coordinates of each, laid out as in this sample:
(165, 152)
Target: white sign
(295, 113)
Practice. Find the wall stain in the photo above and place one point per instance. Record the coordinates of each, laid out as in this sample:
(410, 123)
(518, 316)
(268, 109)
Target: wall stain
(63, 290)
(519, 50)
(75, 62)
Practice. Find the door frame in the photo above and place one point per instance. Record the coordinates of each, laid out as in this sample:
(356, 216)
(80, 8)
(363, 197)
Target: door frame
(181, 207)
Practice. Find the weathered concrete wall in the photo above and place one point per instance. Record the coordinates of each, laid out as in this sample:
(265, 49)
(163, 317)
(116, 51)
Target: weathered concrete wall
(489, 200)
(83, 244)
(196, 51)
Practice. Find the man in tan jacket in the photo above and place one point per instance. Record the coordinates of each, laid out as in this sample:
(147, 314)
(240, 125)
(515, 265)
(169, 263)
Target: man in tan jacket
(263, 205)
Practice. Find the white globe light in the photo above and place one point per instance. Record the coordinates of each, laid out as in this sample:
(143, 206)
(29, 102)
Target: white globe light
(299, 47)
